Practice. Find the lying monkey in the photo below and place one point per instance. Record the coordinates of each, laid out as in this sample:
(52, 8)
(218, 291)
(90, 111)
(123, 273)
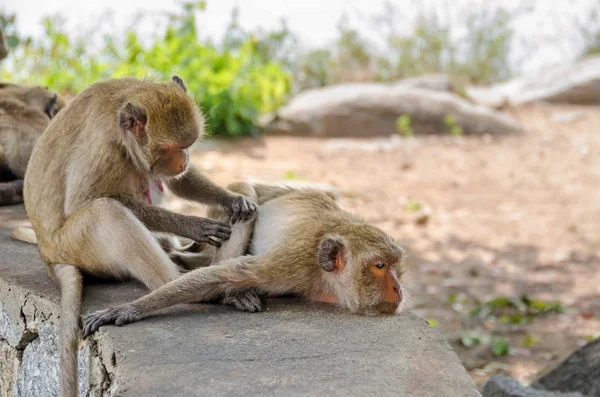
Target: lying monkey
(302, 243)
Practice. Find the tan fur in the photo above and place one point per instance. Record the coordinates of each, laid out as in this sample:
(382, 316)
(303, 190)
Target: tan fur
(288, 253)
(24, 115)
(86, 191)
(70, 283)
(25, 234)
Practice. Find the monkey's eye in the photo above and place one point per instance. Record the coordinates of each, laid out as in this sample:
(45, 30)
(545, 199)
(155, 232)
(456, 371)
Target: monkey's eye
(380, 265)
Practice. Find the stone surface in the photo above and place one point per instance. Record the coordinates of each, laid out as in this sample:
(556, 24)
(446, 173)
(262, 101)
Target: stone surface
(577, 83)
(501, 386)
(293, 348)
(435, 82)
(579, 372)
(372, 109)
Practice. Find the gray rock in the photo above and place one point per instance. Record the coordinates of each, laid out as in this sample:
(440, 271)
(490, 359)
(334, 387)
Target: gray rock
(372, 109)
(435, 82)
(9, 367)
(578, 83)
(579, 372)
(501, 386)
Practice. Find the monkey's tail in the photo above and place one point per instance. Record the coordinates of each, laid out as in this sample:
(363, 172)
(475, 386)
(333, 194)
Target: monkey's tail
(71, 286)
(24, 234)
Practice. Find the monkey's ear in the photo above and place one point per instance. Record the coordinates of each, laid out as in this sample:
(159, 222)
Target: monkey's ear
(133, 118)
(177, 80)
(50, 109)
(331, 254)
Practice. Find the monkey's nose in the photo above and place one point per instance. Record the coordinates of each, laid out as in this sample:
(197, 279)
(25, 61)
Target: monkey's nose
(398, 292)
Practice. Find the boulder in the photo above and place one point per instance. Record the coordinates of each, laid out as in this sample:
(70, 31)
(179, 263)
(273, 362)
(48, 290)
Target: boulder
(373, 109)
(579, 372)
(434, 82)
(578, 83)
(502, 386)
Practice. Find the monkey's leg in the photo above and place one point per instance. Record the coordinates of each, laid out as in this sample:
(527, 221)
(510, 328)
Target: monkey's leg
(204, 284)
(108, 239)
(237, 245)
(11, 192)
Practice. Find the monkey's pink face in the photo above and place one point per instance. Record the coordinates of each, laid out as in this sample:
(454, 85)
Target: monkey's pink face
(172, 160)
(381, 289)
(366, 279)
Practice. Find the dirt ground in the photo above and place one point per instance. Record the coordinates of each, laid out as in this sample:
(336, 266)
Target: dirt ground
(500, 217)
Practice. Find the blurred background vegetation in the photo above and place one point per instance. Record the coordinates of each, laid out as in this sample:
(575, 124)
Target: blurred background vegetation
(249, 73)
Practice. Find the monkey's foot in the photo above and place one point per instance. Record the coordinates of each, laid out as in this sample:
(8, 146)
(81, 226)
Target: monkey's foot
(246, 301)
(116, 315)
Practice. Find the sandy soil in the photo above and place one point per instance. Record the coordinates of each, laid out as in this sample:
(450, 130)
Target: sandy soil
(502, 217)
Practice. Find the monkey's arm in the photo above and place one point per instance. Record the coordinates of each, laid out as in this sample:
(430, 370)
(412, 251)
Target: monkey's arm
(203, 230)
(203, 284)
(11, 192)
(194, 185)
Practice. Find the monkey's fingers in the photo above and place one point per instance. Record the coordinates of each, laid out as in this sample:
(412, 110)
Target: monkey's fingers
(246, 301)
(251, 211)
(116, 315)
(92, 322)
(214, 225)
(210, 241)
(242, 209)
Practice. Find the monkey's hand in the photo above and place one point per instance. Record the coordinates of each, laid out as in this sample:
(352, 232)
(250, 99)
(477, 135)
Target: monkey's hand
(117, 315)
(206, 230)
(239, 208)
(246, 301)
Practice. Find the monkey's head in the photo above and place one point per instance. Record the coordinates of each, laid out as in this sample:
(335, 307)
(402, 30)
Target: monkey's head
(159, 126)
(366, 265)
(38, 97)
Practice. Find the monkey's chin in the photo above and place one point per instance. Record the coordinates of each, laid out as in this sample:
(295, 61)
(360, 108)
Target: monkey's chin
(387, 307)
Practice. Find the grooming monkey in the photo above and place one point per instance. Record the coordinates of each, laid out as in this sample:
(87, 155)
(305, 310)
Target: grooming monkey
(87, 192)
(301, 243)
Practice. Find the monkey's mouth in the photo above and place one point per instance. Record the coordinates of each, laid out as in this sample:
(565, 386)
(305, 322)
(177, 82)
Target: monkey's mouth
(387, 307)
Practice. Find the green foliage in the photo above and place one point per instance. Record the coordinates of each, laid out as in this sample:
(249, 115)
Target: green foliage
(403, 125)
(500, 346)
(471, 338)
(233, 87)
(455, 129)
(12, 39)
(511, 310)
(530, 340)
(432, 323)
(413, 206)
(291, 176)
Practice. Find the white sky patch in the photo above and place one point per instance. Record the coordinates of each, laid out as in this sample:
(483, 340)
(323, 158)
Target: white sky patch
(313, 20)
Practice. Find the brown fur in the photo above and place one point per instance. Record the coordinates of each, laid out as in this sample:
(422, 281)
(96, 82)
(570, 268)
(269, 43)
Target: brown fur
(302, 243)
(3, 49)
(25, 112)
(87, 187)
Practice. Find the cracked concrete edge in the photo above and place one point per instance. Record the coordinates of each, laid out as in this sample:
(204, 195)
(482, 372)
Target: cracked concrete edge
(29, 348)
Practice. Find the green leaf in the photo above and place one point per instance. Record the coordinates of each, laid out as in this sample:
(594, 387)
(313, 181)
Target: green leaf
(500, 347)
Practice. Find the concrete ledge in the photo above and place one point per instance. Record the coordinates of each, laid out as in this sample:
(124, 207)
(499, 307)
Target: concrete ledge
(293, 348)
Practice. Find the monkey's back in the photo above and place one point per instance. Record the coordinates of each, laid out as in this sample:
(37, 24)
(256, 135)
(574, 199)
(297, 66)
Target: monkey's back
(66, 161)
